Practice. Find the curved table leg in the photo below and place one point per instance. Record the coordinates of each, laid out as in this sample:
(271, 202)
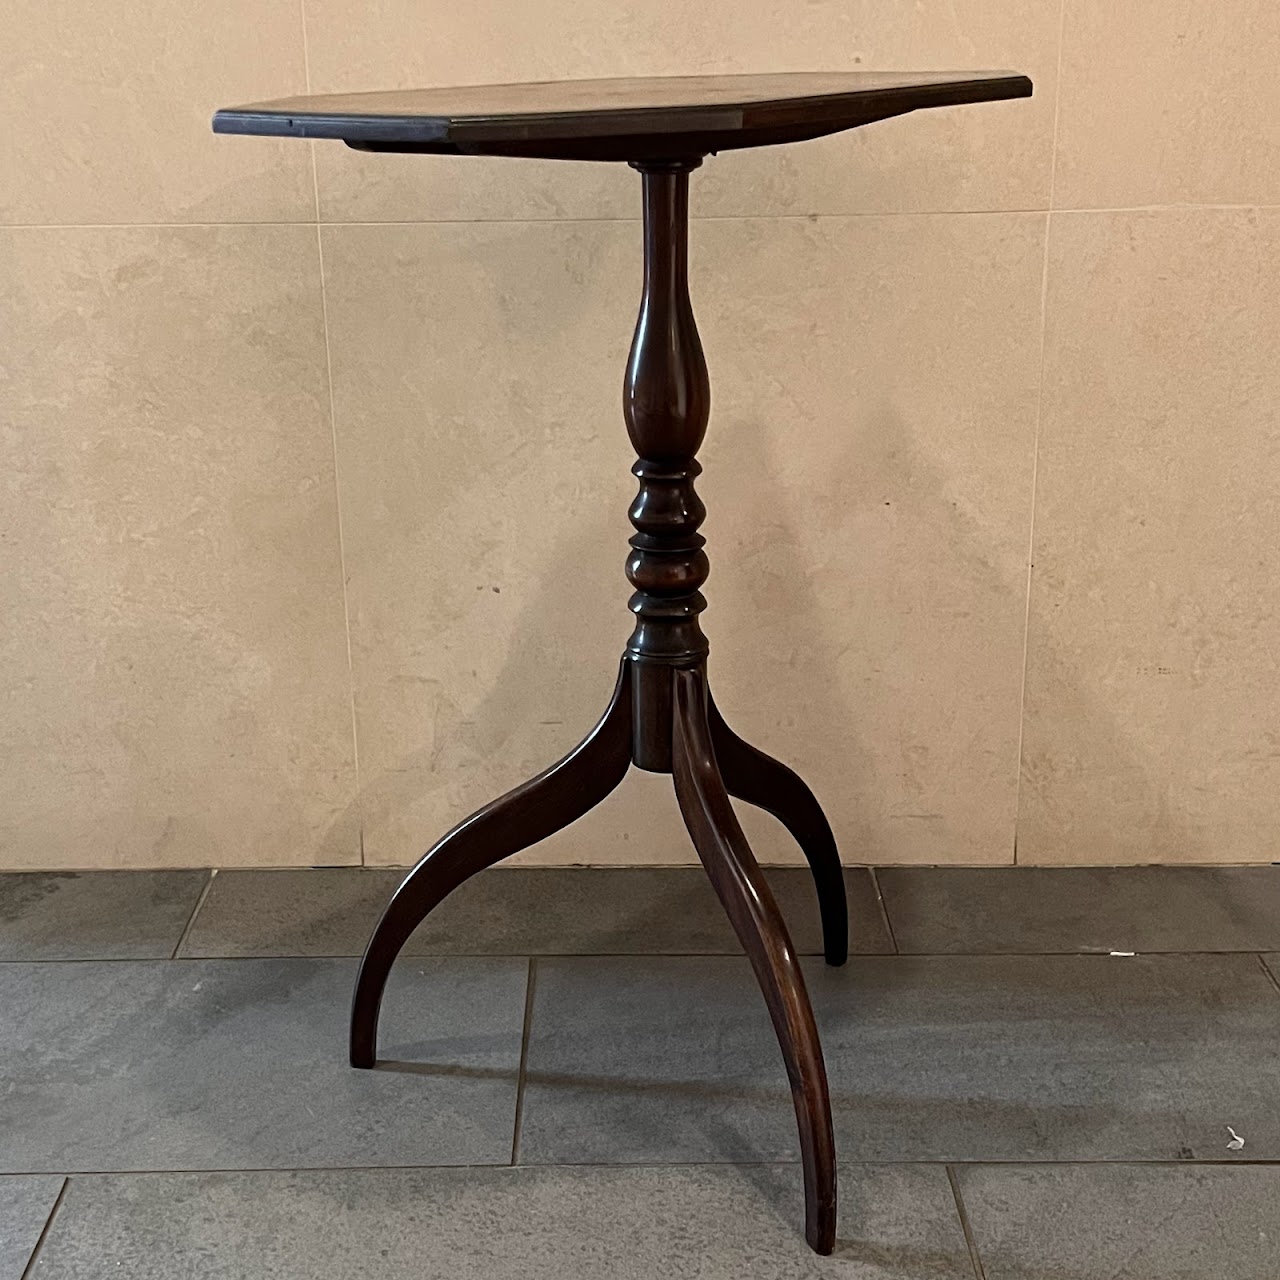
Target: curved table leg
(768, 784)
(533, 811)
(747, 899)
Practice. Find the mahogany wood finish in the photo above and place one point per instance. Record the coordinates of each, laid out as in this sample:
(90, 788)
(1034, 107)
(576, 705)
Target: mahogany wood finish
(531, 812)
(666, 402)
(628, 119)
(748, 901)
(662, 717)
(760, 780)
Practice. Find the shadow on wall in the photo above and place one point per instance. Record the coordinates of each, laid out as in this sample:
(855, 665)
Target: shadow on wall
(816, 658)
(557, 645)
(925, 598)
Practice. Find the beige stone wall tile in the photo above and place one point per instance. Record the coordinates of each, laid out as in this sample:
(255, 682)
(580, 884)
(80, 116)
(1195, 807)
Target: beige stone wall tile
(1167, 103)
(1154, 650)
(869, 472)
(176, 682)
(988, 156)
(107, 107)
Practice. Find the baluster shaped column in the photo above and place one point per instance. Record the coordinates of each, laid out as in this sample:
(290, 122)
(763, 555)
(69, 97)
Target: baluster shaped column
(666, 404)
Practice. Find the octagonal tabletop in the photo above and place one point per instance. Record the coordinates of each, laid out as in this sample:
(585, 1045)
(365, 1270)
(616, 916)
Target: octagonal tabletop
(629, 119)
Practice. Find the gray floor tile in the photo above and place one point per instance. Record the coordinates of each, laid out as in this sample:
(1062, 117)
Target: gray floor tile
(685, 1223)
(1134, 1222)
(230, 1064)
(512, 911)
(95, 915)
(320, 912)
(946, 1058)
(25, 1204)
(1047, 909)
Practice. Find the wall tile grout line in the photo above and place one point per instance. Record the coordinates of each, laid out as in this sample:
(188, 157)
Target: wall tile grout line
(1057, 108)
(333, 437)
(884, 910)
(522, 1074)
(966, 1226)
(342, 548)
(1035, 443)
(44, 1234)
(191, 919)
(306, 80)
(764, 216)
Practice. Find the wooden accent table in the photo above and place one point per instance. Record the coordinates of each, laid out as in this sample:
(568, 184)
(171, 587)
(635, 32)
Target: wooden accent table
(661, 717)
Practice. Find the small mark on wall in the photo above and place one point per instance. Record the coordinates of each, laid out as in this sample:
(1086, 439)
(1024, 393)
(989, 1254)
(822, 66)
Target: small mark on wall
(1152, 670)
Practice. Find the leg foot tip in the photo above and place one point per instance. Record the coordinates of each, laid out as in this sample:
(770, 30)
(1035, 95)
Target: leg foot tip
(822, 1243)
(820, 1228)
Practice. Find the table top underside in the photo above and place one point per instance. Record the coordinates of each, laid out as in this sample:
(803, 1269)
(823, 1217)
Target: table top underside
(628, 119)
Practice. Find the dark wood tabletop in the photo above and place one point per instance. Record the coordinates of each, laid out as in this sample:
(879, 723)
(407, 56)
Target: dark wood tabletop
(628, 119)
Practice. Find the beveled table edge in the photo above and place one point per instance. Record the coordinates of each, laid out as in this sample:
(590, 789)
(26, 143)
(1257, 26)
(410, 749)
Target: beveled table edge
(461, 134)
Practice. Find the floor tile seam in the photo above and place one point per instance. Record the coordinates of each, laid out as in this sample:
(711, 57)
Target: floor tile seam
(522, 1075)
(882, 904)
(1268, 971)
(984, 1162)
(48, 1226)
(854, 957)
(975, 1258)
(195, 911)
